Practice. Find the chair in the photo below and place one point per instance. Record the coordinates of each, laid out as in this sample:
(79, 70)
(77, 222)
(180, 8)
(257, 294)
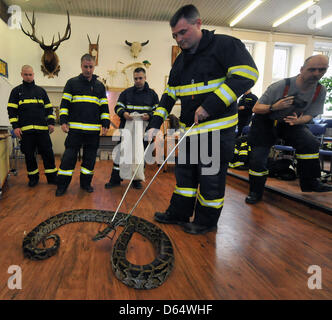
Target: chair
(328, 126)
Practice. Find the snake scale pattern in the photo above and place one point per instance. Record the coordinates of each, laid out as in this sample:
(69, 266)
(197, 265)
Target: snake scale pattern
(146, 276)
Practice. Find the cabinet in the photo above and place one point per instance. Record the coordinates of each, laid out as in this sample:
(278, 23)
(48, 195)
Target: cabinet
(4, 159)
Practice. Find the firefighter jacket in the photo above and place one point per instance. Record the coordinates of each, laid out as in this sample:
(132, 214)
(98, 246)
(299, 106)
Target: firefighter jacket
(84, 105)
(133, 99)
(248, 101)
(213, 77)
(29, 108)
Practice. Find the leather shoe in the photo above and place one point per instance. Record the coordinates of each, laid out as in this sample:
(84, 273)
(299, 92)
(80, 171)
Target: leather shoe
(194, 228)
(253, 198)
(111, 184)
(169, 218)
(33, 183)
(88, 189)
(60, 191)
(137, 184)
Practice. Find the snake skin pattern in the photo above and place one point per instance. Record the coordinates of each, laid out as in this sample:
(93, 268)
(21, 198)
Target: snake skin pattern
(146, 276)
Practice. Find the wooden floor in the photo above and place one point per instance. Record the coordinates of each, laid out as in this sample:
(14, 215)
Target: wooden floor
(258, 252)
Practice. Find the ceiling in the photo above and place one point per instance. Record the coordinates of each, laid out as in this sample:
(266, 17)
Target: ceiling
(213, 12)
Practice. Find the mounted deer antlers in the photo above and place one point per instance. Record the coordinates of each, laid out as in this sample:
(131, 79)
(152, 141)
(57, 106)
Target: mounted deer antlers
(50, 61)
(94, 49)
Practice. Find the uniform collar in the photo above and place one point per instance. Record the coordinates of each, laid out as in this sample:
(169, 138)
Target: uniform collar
(93, 79)
(28, 84)
(145, 88)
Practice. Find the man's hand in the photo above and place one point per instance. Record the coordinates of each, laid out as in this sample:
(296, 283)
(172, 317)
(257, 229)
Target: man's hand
(104, 131)
(283, 103)
(65, 127)
(241, 108)
(18, 133)
(127, 116)
(145, 117)
(50, 128)
(200, 114)
(293, 119)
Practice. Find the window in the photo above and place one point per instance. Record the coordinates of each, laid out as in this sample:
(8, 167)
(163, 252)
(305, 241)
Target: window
(280, 63)
(250, 47)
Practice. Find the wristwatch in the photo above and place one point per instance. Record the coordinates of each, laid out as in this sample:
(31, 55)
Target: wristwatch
(271, 109)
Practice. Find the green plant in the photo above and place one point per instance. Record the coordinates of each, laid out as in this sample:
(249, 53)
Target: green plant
(327, 82)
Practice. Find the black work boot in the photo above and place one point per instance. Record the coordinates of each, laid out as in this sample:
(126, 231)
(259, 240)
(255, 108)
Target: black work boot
(115, 180)
(169, 218)
(33, 180)
(314, 185)
(137, 184)
(253, 197)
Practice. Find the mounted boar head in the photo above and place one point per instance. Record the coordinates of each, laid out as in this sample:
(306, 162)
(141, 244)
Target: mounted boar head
(136, 47)
(50, 61)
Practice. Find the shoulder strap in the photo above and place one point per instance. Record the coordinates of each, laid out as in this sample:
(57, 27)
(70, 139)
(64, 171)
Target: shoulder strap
(286, 87)
(319, 86)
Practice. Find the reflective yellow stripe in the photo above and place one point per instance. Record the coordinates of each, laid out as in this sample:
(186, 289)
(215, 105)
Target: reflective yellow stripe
(86, 171)
(258, 174)
(143, 108)
(79, 98)
(84, 126)
(34, 127)
(63, 111)
(33, 172)
(171, 92)
(120, 104)
(51, 170)
(235, 164)
(105, 116)
(161, 112)
(215, 203)
(226, 94)
(67, 96)
(12, 105)
(218, 124)
(244, 71)
(186, 192)
(49, 105)
(103, 101)
(11, 120)
(65, 172)
(307, 156)
(51, 116)
(26, 101)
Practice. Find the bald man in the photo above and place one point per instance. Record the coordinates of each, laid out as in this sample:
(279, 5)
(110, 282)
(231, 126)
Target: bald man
(282, 112)
(31, 116)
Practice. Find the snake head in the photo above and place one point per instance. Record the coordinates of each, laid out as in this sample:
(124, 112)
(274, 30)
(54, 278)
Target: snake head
(103, 233)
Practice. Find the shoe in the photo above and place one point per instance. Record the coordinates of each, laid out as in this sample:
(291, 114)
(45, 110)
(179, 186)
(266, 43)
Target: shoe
(112, 183)
(169, 218)
(317, 186)
(52, 181)
(137, 184)
(88, 188)
(194, 228)
(253, 198)
(33, 183)
(60, 191)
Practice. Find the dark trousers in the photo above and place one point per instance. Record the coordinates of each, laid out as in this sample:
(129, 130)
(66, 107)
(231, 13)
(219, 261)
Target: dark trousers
(244, 120)
(200, 186)
(38, 142)
(73, 143)
(307, 155)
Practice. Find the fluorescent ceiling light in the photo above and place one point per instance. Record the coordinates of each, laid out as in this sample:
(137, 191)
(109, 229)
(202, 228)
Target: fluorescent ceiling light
(323, 22)
(246, 11)
(294, 12)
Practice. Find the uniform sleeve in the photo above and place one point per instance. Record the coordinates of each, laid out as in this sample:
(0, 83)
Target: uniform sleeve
(121, 105)
(12, 108)
(104, 111)
(241, 75)
(155, 102)
(67, 97)
(49, 112)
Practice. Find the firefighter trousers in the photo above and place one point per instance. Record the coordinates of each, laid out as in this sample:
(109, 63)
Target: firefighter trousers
(74, 142)
(200, 171)
(38, 142)
(306, 147)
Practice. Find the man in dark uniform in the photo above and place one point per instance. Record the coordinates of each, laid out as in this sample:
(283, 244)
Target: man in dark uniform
(282, 112)
(31, 116)
(208, 76)
(83, 114)
(141, 99)
(245, 106)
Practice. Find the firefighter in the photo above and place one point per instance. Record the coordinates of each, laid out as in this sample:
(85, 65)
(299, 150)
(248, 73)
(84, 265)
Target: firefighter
(208, 76)
(83, 114)
(282, 112)
(245, 105)
(141, 99)
(31, 116)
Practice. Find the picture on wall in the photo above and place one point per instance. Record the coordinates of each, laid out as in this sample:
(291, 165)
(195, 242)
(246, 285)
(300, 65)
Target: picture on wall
(176, 50)
(3, 68)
